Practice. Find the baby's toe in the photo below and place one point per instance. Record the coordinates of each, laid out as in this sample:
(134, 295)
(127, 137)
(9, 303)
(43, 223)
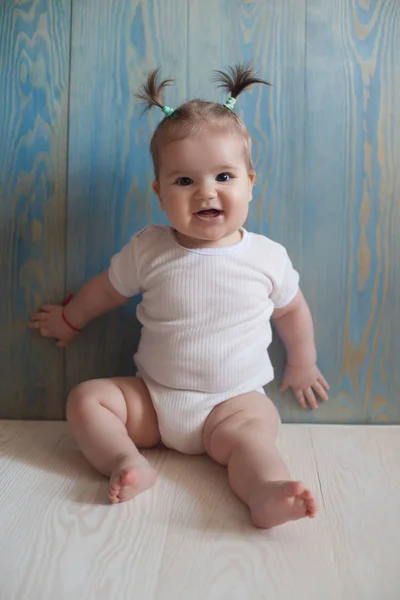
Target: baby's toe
(311, 505)
(294, 488)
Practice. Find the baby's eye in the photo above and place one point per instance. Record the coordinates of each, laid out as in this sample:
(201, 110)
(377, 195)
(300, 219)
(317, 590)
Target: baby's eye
(184, 181)
(223, 177)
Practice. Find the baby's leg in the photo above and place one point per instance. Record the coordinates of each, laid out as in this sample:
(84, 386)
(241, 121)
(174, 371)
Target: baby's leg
(241, 433)
(108, 417)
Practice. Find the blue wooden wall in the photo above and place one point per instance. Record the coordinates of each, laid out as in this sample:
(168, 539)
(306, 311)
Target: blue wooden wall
(75, 174)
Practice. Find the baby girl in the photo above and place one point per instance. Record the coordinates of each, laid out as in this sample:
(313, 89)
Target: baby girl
(209, 291)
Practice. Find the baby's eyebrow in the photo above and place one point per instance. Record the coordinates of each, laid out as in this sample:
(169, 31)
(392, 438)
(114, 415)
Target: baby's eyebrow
(175, 173)
(227, 167)
(217, 169)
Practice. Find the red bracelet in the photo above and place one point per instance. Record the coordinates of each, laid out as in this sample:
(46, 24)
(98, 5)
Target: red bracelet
(67, 301)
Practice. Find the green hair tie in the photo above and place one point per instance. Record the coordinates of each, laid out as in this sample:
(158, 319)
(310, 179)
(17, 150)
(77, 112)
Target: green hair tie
(230, 103)
(168, 111)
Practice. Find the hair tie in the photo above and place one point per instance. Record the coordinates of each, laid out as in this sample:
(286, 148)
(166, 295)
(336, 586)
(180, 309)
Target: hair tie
(168, 111)
(230, 103)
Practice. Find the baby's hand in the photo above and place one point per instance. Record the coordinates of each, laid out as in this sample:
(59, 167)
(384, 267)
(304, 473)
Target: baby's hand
(305, 382)
(50, 323)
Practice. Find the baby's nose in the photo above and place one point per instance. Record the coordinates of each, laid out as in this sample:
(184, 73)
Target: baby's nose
(206, 191)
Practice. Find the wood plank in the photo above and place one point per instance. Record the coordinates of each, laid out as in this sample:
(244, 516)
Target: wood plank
(59, 532)
(360, 475)
(351, 248)
(114, 46)
(34, 50)
(189, 536)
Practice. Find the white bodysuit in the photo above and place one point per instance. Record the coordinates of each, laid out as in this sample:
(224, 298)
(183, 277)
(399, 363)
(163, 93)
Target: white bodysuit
(206, 322)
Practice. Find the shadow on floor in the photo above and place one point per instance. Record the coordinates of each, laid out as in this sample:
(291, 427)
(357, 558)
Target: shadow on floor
(198, 491)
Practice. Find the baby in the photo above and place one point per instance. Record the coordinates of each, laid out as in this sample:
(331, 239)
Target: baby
(209, 290)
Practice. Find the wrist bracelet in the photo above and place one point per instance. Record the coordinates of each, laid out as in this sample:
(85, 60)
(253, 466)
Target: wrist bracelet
(64, 318)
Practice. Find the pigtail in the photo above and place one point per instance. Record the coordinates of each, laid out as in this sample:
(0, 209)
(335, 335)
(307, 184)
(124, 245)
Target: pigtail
(152, 91)
(237, 79)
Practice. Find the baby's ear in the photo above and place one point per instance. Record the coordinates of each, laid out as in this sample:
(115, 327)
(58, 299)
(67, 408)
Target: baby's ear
(156, 189)
(252, 178)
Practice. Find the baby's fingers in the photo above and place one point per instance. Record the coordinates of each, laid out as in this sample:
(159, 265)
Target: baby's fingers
(300, 398)
(48, 307)
(311, 399)
(39, 317)
(37, 324)
(322, 381)
(318, 389)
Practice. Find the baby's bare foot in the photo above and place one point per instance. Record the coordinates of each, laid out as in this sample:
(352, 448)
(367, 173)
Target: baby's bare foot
(282, 501)
(129, 478)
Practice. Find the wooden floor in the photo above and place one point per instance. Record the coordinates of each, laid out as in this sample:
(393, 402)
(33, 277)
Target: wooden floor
(188, 538)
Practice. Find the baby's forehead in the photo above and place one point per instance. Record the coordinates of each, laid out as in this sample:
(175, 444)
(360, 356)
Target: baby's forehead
(204, 149)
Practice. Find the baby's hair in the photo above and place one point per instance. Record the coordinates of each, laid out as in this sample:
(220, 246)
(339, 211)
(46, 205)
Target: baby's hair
(152, 92)
(196, 114)
(237, 79)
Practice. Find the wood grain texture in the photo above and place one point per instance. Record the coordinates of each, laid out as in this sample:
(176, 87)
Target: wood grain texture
(34, 51)
(359, 474)
(110, 172)
(350, 203)
(189, 537)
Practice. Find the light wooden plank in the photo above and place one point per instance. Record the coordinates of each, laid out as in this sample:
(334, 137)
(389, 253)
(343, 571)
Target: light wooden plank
(34, 50)
(350, 202)
(360, 475)
(189, 536)
(114, 45)
(60, 538)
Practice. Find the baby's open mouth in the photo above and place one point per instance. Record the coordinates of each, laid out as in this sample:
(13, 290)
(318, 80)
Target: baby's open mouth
(209, 213)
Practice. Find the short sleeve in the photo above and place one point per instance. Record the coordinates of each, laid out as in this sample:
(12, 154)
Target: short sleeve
(285, 282)
(123, 272)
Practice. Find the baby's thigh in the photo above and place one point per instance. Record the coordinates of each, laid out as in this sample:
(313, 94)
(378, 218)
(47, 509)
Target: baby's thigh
(125, 397)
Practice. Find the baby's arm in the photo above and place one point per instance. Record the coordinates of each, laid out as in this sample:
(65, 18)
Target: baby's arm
(295, 327)
(96, 298)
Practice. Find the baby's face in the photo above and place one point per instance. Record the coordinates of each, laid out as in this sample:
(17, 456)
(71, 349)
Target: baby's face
(205, 187)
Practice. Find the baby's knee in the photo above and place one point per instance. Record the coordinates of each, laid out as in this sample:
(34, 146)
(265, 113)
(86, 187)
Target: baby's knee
(236, 420)
(259, 415)
(232, 431)
(79, 399)
(245, 425)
